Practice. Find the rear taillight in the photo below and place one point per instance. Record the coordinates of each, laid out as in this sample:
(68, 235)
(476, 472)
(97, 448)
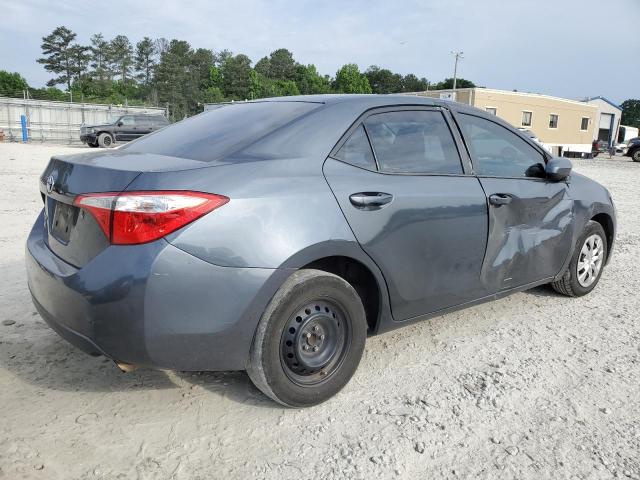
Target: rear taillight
(138, 217)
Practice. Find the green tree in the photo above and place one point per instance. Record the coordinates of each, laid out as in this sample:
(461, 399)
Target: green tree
(213, 95)
(183, 78)
(383, 80)
(144, 60)
(263, 67)
(80, 58)
(411, 83)
(310, 82)
(58, 56)
(631, 113)
(448, 84)
(202, 61)
(236, 77)
(170, 77)
(350, 80)
(282, 66)
(12, 83)
(100, 59)
(121, 56)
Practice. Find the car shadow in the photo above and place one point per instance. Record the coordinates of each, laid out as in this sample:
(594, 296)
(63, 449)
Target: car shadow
(542, 291)
(33, 353)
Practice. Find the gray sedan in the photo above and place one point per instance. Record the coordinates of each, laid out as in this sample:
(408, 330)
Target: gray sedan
(274, 236)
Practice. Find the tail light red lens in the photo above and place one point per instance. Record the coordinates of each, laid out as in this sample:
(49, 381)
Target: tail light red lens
(139, 217)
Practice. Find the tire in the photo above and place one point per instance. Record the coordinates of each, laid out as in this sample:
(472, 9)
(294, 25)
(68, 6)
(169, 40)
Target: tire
(93, 145)
(635, 156)
(105, 140)
(571, 284)
(292, 365)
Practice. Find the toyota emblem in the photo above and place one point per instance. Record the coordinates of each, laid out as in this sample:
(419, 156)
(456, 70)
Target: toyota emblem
(50, 183)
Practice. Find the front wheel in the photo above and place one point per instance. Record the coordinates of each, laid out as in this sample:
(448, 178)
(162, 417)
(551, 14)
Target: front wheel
(636, 155)
(586, 264)
(105, 140)
(309, 340)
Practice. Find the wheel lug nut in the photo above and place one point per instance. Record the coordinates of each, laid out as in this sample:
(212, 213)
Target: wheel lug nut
(315, 328)
(322, 337)
(305, 347)
(308, 335)
(315, 349)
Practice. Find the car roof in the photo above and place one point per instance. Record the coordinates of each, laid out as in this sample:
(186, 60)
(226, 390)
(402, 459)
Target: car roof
(366, 100)
(369, 101)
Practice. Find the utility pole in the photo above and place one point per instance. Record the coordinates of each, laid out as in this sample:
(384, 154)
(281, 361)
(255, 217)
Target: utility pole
(459, 55)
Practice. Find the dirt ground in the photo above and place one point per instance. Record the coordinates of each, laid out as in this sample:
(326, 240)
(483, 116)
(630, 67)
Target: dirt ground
(532, 386)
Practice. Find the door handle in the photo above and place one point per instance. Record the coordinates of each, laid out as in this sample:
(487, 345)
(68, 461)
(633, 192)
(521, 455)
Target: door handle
(498, 199)
(370, 200)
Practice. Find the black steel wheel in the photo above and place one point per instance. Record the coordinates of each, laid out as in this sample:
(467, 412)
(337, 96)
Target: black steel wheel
(105, 140)
(309, 340)
(313, 342)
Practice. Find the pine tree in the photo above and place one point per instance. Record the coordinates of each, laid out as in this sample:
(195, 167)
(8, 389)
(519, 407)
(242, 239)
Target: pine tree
(58, 56)
(145, 60)
(121, 55)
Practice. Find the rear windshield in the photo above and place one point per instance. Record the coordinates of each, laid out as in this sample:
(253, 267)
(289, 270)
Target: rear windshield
(214, 134)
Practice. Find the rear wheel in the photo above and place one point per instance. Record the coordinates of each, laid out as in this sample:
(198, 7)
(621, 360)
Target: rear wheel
(105, 140)
(586, 264)
(309, 340)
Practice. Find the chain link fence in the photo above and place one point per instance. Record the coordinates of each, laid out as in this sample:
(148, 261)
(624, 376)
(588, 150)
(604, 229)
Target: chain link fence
(58, 122)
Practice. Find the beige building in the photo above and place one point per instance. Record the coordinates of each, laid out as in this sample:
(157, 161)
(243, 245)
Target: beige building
(564, 127)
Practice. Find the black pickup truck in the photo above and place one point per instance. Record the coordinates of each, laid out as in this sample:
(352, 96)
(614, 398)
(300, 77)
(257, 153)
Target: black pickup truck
(124, 129)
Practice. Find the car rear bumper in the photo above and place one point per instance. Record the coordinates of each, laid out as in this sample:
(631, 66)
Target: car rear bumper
(152, 305)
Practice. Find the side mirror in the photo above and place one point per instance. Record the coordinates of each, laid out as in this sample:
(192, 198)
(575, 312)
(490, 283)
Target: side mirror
(120, 124)
(558, 169)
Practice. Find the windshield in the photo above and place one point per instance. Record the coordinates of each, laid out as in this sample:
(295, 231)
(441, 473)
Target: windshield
(216, 133)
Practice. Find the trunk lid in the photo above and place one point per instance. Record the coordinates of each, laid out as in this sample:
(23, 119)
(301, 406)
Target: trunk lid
(72, 233)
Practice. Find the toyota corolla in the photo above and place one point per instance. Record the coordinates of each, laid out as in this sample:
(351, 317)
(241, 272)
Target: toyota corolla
(275, 236)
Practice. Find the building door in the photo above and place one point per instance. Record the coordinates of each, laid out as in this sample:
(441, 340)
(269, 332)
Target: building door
(605, 128)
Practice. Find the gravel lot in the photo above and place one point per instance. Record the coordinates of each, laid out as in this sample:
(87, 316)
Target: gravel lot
(532, 386)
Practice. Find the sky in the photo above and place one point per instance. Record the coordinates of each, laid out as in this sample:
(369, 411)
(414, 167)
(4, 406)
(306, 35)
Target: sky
(567, 48)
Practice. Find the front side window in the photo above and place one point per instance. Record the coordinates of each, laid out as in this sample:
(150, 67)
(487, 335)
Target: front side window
(499, 152)
(526, 119)
(584, 125)
(413, 141)
(357, 150)
(553, 121)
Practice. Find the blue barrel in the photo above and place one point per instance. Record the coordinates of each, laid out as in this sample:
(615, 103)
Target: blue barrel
(23, 123)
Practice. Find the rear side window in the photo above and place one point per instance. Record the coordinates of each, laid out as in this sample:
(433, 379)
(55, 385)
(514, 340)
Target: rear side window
(357, 150)
(498, 151)
(413, 142)
(143, 121)
(217, 133)
(127, 120)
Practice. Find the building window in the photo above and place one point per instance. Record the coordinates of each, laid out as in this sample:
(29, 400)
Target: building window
(492, 110)
(584, 126)
(553, 121)
(526, 118)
